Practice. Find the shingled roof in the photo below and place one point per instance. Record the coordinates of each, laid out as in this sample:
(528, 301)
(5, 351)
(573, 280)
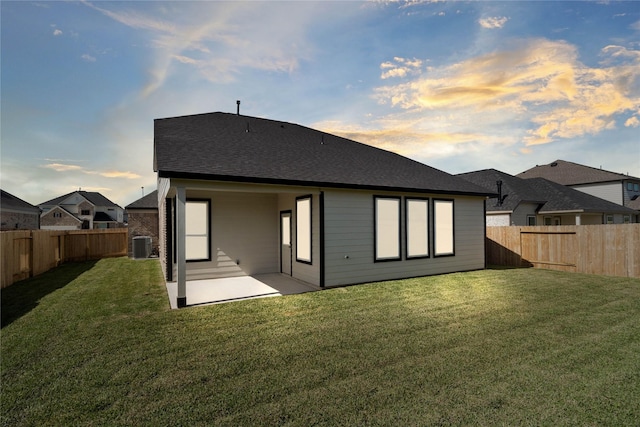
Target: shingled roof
(562, 198)
(231, 147)
(552, 197)
(517, 190)
(95, 198)
(9, 201)
(569, 173)
(150, 201)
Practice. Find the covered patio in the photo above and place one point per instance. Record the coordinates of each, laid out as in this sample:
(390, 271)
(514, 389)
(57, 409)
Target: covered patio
(228, 289)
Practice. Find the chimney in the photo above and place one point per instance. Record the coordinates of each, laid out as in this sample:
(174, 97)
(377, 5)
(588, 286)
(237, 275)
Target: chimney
(238, 104)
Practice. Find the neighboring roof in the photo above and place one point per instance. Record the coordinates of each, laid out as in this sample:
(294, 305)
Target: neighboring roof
(102, 217)
(552, 196)
(93, 197)
(568, 173)
(9, 201)
(563, 198)
(517, 190)
(231, 147)
(150, 201)
(634, 204)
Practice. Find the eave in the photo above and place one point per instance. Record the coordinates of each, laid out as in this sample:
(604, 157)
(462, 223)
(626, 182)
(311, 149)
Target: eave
(276, 181)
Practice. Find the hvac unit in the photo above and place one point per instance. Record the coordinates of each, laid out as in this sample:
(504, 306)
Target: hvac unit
(142, 247)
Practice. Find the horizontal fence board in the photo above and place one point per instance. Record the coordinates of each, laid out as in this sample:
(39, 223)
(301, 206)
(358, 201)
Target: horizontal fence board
(610, 249)
(28, 253)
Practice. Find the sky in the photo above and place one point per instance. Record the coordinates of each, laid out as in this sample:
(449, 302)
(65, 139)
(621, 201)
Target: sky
(459, 86)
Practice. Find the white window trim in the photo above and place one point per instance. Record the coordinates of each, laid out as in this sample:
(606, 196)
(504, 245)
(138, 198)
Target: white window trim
(443, 227)
(417, 228)
(304, 233)
(387, 225)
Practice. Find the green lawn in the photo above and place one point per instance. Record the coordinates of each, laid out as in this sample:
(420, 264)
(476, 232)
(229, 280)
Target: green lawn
(96, 344)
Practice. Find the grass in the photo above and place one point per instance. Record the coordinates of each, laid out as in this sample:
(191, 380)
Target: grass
(100, 346)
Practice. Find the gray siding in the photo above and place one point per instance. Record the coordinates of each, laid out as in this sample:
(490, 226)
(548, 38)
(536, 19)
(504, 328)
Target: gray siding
(349, 240)
(244, 228)
(309, 273)
(519, 216)
(611, 191)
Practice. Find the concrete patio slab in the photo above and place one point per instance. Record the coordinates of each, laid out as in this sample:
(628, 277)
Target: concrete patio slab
(216, 291)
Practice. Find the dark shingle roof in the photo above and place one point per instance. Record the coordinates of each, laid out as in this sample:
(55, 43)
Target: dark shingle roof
(552, 196)
(562, 198)
(516, 189)
(102, 217)
(9, 201)
(150, 201)
(568, 173)
(95, 198)
(231, 147)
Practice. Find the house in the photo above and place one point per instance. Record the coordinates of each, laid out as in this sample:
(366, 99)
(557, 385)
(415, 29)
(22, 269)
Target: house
(143, 220)
(80, 210)
(242, 195)
(538, 201)
(16, 214)
(615, 187)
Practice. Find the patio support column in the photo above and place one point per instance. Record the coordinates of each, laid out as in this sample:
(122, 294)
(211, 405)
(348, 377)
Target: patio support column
(181, 229)
(578, 219)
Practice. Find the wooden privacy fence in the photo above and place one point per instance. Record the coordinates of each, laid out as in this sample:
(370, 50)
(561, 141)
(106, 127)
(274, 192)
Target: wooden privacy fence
(27, 253)
(612, 250)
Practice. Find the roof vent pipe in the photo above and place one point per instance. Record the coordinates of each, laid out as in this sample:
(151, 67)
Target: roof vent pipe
(500, 196)
(238, 104)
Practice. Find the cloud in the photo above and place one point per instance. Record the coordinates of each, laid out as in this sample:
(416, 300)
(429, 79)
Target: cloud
(214, 37)
(538, 85)
(57, 32)
(494, 22)
(88, 58)
(400, 67)
(61, 167)
(635, 26)
(632, 122)
(119, 174)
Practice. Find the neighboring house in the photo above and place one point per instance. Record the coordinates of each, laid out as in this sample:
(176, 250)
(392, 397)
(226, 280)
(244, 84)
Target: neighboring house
(241, 195)
(80, 210)
(16, 214)
(614, 187)
(538, 201)
(143, 220)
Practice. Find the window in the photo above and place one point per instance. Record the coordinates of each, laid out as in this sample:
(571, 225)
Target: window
(303, 229)
(609, 219)
(630, 186)
(531, 220)
(443, 227)
(387, 228)
(197, 229)
(417, 227)
(547, 220)
(636, 187)
(626, 219)
(85, 212)
(57, 214)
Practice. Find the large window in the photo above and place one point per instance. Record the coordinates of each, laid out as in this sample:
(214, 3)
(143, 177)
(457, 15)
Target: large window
(303, 229)
(198, 231)
(417, 227)
(387, 228)
(443, 227)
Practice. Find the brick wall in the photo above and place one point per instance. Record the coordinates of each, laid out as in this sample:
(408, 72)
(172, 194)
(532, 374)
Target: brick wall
(143, 223)
(19, 221)
(67, 220)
